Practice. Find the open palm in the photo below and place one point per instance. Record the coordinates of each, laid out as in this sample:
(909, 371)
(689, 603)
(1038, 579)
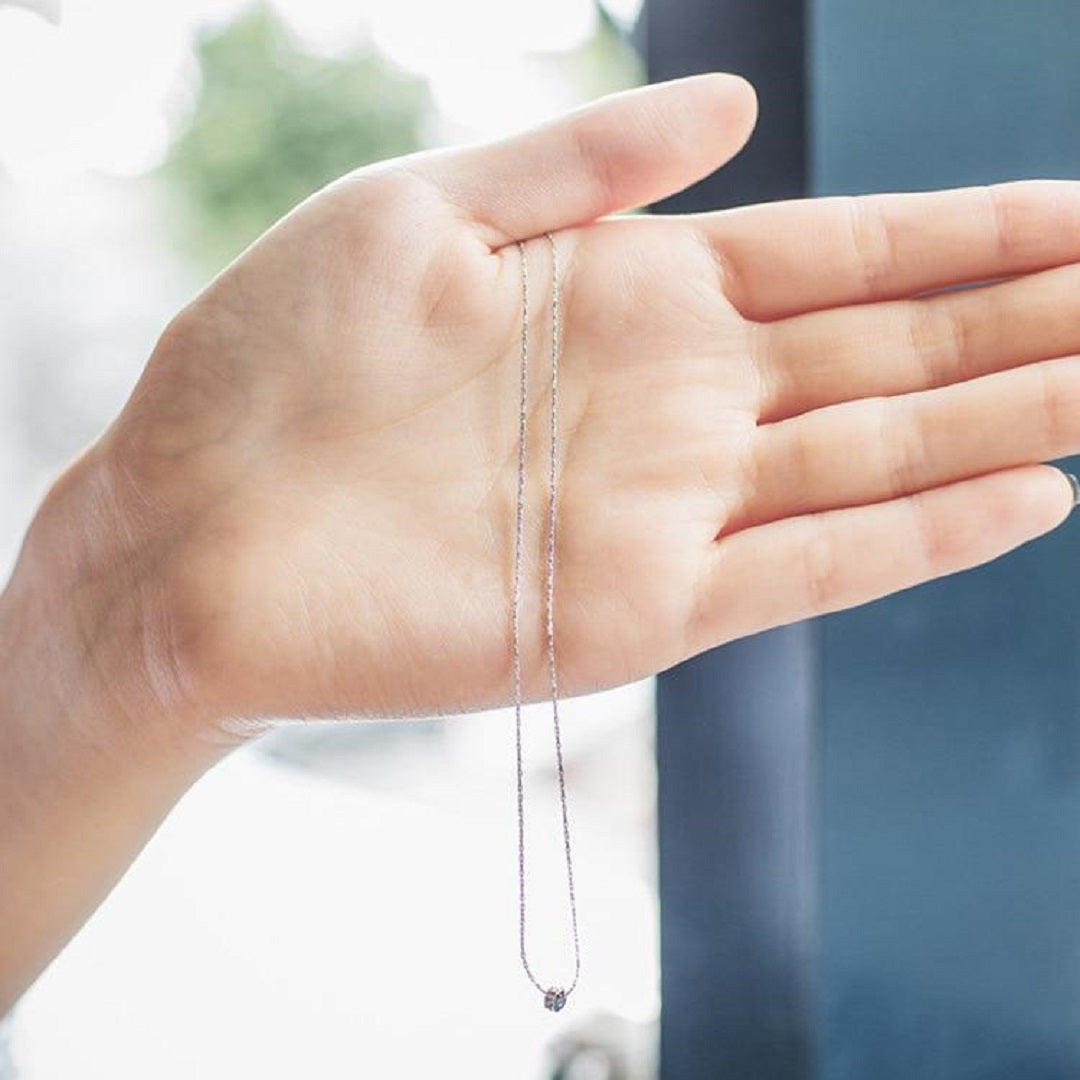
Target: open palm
(765, 413)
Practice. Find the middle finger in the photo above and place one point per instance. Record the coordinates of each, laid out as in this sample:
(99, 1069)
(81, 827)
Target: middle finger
(896, 347)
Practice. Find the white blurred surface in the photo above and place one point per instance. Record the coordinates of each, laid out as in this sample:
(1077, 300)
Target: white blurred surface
(280, 924)
(71, 84)
(47, 9)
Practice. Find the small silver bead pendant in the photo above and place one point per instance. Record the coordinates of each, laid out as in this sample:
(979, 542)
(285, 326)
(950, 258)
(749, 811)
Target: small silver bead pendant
(555, 999)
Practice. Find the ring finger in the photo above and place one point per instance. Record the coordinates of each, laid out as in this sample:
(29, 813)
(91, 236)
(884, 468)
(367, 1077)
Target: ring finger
(877, 449)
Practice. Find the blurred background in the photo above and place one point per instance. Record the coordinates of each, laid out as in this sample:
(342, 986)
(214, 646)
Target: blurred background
(854, 842)
(339, 899)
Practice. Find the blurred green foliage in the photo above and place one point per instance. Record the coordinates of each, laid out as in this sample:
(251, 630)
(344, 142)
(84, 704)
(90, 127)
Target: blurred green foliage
(607, 62)
(273, 123)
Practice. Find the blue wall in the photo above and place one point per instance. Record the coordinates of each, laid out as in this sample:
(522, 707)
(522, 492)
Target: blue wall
(913, 94)
(950, 783)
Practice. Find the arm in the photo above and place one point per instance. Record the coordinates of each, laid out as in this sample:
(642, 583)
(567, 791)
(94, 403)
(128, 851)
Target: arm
(93, 754)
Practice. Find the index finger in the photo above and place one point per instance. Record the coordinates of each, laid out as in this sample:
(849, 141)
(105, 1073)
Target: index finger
(783, 258)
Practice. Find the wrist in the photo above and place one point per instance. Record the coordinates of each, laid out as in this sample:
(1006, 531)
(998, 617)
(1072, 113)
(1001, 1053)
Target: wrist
(87, 630)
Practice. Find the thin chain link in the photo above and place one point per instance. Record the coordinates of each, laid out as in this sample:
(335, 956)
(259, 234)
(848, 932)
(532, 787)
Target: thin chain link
(554, 997)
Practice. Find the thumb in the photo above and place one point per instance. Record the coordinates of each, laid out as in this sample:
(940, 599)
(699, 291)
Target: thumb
(616, 153)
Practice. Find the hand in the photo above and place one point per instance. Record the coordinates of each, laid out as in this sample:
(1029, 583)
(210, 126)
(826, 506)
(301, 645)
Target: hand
(761, 417)
(307, 506)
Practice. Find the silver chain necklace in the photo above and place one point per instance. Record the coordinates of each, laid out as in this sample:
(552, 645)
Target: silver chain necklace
(554, 996)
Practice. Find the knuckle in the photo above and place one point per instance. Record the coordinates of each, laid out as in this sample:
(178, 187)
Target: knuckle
(874, 242)
(1056, 409)
(772, 380)
(822, 570)
(385, 185)
(903, 444)
(370, 211)
(936, 541)
(1028, 216)
(1001, 200)
(938, 341)
(722, 266)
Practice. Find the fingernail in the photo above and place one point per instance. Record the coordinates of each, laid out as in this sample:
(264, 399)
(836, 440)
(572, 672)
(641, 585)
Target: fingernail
(1075, 485)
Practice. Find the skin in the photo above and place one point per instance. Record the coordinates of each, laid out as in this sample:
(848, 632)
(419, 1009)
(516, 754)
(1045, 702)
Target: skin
(307, 505)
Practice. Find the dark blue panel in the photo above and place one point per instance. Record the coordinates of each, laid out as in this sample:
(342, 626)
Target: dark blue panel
(940, 93)
(738, 933)
(735, 726)
(951, 763)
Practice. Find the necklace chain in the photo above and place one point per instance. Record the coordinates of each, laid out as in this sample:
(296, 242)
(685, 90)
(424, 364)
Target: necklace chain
(554, 997)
